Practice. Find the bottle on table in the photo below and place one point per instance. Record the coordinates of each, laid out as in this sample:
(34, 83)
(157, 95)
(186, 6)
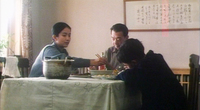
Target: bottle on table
(102, 67)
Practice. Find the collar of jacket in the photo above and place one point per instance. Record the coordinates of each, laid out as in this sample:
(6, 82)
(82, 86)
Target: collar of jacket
(61, 50)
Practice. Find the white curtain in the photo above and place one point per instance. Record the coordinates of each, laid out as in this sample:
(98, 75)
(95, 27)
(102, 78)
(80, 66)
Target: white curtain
(19, 28)
(14, 27)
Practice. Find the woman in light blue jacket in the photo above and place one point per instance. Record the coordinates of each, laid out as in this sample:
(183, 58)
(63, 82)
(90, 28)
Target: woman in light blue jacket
(61, 36)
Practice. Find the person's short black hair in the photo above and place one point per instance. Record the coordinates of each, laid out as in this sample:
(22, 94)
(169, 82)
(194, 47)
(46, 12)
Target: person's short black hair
(131, 49)
(58, 27)
(120, 28)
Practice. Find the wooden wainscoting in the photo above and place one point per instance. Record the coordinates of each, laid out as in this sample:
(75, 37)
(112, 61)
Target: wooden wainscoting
(182, 74)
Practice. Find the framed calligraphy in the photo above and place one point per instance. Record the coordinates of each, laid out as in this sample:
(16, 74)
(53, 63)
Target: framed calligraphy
(141, 15)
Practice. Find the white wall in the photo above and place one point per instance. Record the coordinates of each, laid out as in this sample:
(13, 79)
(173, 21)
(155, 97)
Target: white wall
(91, 21)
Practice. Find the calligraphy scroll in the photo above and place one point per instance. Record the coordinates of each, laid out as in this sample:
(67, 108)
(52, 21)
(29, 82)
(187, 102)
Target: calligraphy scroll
(154, 15)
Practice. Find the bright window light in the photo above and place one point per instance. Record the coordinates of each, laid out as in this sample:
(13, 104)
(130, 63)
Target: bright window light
(6, 13)
(7, 7)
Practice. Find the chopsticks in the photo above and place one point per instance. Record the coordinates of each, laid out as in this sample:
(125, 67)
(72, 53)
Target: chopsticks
(108, 64)
(98, 55)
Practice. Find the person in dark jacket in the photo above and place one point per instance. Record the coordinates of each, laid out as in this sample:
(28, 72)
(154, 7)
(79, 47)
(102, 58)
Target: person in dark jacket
(151, 75)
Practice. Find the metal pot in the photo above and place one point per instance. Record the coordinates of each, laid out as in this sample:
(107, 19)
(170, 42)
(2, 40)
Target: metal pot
(56, 68)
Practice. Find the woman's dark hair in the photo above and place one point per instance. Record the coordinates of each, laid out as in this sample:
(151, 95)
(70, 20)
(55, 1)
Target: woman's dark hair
(120, 27)
(131, 49)
(58, 27)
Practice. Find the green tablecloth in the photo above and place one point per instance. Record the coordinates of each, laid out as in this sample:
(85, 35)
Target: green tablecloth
(70, 94)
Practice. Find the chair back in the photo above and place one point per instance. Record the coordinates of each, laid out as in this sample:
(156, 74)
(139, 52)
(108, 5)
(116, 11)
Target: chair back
(23, 65)
(193, 82)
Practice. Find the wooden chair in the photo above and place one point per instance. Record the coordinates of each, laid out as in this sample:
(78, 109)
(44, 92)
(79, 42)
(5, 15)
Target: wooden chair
(23, 65)
(193, 82)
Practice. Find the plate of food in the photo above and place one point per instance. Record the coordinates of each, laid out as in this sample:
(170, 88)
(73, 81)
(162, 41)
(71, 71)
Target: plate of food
(102, 74)
(108, 77)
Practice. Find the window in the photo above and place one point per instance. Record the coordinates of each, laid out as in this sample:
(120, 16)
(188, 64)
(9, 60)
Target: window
(10, 20)
(4, 16)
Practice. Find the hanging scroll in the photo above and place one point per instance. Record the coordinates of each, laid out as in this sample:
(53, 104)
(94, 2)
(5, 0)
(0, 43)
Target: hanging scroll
(160, 15)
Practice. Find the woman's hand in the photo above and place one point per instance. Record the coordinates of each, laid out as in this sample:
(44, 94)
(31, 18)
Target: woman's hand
(98, 62)
(93, 68)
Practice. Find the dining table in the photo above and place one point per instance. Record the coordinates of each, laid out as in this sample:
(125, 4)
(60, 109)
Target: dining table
(74, 93)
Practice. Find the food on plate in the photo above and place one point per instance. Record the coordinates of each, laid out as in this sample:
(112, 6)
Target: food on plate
(104, 76)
